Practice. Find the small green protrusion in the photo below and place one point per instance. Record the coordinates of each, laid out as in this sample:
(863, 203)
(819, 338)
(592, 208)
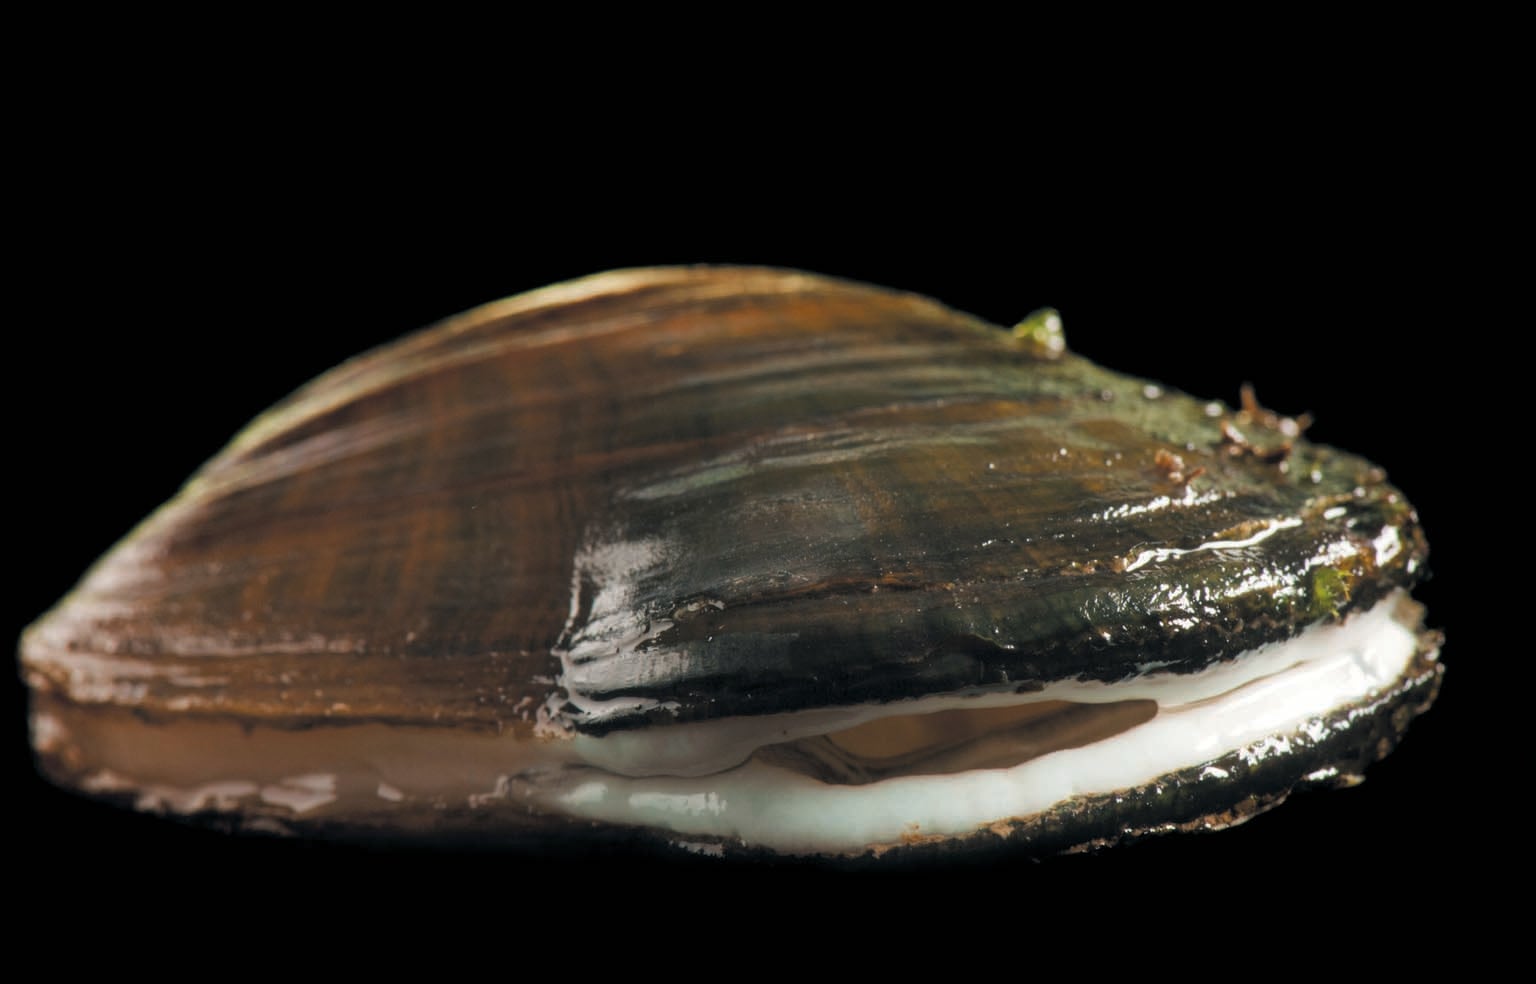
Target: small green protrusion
(1330, 591)
(1041, 334)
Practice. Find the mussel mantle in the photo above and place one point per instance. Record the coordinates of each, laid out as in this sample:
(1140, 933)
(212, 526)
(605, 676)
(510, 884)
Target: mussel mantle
(597, 545)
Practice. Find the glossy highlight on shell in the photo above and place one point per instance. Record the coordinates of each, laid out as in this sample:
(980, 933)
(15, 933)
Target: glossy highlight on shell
(743, 561)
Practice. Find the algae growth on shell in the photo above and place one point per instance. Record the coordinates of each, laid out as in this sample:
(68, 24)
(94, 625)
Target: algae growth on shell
(744, 560)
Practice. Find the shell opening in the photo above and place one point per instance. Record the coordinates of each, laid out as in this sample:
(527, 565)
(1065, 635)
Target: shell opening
(829, 780)
(1264, 703)
(946, 742)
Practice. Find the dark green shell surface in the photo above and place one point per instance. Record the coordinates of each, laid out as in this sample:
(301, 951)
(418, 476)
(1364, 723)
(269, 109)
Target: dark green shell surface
(679, 494)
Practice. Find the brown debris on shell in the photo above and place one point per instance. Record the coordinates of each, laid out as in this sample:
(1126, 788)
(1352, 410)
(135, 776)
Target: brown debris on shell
(1252, 415)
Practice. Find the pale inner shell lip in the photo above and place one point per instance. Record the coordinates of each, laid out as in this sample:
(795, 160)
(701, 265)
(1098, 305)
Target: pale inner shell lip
(703, 780)
(1245, 706)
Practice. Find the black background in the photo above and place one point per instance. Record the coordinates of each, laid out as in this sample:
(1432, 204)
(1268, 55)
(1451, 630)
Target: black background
(183, 284)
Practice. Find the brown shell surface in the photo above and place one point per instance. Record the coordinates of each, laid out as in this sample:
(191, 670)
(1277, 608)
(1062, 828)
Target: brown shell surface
(694, 492)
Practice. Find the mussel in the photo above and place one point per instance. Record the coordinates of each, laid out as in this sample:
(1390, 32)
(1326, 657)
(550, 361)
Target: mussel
(743, 561)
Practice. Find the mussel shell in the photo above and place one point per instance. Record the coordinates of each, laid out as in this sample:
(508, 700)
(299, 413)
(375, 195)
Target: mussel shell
(676, 494)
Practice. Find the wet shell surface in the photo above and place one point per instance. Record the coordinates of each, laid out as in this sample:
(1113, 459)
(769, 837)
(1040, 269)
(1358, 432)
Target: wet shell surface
(742, 561)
